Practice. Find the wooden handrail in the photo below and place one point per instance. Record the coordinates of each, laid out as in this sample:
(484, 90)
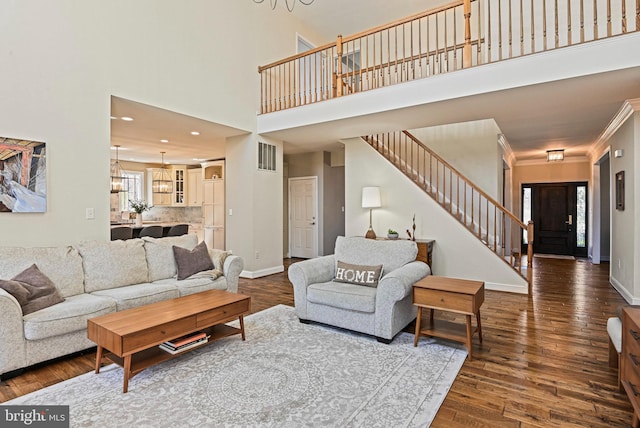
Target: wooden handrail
(477, 189)
(411, 58)
(482, 215)
(401, 21)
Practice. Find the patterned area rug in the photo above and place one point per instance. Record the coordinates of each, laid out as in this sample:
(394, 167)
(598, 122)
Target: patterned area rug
(286, 374)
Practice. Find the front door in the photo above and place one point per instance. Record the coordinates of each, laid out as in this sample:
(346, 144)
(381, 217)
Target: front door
(303, 222)
(558, 211)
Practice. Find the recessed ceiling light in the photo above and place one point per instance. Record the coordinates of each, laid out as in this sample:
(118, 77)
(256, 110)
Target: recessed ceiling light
(126, 118)
(113, 118)
(195, 133)
(164, 141)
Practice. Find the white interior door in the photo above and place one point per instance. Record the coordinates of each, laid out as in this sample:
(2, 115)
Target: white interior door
(303, 217)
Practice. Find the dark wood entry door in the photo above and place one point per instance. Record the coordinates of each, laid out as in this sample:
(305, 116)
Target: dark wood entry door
(554, 212)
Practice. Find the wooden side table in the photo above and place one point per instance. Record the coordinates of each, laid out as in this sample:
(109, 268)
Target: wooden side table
(452, 295)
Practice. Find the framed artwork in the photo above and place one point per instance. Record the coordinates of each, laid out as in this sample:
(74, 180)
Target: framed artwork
(620, 191)
(23, 176)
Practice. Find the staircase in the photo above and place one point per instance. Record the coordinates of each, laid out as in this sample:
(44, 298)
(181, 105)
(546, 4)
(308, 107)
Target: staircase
(485, 218)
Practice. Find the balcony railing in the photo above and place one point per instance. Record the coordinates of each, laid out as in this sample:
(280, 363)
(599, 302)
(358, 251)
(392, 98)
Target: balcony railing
(458, 35)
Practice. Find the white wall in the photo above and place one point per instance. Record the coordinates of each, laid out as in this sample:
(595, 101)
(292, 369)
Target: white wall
(625, 225)
(456, 252)
(472, 148)
(62, 60)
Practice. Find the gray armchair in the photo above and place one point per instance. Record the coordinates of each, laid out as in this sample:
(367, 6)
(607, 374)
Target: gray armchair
(380, 311)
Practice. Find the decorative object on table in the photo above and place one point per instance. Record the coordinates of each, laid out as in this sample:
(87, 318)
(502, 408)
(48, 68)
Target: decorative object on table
(23, 176)
(413, 238)
(392, 234)
(370, 199)
(139, 206)
(162, 182)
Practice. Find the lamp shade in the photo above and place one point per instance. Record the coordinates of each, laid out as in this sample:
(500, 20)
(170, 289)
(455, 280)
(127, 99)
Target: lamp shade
(555, 155)
(370, 197)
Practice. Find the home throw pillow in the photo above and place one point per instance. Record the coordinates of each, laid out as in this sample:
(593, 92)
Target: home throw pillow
(32, 289)
(194, 261)
(358, 274)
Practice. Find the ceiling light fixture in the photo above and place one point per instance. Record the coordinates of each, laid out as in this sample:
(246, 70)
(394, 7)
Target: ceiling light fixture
(195, 133)
(555, 155)
(117, 175)
(162, 182)
(127, 118)
(164, 141)
(289, 3)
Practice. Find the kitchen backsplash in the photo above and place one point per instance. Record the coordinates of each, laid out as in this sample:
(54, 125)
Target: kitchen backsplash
(165, 214)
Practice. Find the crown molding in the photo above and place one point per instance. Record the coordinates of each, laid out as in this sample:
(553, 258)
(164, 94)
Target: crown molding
(628, 108)
(508, 154)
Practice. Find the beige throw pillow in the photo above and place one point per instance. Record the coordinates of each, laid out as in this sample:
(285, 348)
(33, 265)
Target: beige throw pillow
(191, 262)
(32, 289)
(358, 274)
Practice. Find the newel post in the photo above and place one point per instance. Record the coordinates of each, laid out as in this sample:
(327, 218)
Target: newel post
(338, 75)
(466, 50)
(530, 244)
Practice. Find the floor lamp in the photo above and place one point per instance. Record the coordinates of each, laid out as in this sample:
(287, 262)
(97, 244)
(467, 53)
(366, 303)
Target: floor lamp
(370, 199)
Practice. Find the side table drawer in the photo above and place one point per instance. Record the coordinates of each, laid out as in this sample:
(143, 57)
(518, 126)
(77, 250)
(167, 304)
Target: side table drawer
(226, 312)
(443, 299)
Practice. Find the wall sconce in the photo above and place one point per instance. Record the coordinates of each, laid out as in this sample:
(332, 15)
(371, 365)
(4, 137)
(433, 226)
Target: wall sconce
(618, 153)
(555, 155)
(370, 199)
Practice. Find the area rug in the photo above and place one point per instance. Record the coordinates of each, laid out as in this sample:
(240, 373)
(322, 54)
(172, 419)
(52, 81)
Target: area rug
(286, 374)
(554, 256)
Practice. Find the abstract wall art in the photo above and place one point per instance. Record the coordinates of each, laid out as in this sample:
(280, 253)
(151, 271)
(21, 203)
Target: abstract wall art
(23, 176)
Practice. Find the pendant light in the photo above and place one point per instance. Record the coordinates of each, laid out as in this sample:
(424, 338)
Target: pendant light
(162, 182)
(117, 175)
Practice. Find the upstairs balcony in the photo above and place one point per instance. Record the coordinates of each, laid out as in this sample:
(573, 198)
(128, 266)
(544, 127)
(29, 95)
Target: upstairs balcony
(461, 35)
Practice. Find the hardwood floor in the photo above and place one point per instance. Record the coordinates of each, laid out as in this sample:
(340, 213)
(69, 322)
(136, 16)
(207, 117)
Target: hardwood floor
(543, 360)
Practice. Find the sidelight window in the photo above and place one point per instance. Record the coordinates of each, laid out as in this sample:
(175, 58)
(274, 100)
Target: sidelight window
(526, 211)
(581, 217)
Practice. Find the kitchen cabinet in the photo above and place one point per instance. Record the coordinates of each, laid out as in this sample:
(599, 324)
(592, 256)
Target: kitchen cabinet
(194, 187)
(213, 205)
(179, 177)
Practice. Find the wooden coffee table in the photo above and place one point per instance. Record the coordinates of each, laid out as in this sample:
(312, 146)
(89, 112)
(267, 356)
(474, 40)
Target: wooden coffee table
(452, 295)
(132, 336)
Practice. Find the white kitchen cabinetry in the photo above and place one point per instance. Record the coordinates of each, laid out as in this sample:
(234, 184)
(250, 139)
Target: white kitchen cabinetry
(194, 187)
(213, 206)
(179, 177)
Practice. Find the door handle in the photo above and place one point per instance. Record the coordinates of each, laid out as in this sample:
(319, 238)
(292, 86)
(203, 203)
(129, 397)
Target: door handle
(570, 221)
(313, 223)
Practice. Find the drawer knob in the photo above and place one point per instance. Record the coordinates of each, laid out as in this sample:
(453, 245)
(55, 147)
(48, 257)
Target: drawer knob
(635, 334)
(634, 359)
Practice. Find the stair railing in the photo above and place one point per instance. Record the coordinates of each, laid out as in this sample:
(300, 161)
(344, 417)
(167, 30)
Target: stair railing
(495, 226)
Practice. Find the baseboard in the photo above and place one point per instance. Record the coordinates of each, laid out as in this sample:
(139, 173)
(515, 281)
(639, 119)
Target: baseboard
(509, 288)
(262, 272)
(623, 292)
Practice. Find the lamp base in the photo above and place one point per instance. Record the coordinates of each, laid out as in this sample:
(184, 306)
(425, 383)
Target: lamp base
(370, 234)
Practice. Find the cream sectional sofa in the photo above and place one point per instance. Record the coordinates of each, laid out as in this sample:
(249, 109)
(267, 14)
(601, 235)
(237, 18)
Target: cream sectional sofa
(95, 278)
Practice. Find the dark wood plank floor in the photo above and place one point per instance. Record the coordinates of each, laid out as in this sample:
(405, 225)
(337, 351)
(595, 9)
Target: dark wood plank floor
(543, 360)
